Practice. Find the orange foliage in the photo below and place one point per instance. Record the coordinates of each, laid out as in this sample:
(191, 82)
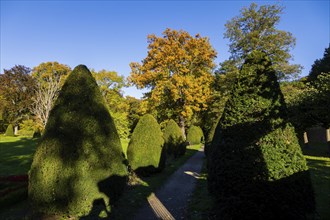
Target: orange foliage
(178, 70)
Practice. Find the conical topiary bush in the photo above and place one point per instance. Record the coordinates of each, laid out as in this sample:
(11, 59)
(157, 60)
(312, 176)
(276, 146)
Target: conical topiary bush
(10, 131)
(174, 140)
(256, 169)
(146, 145)
(78, 164)
(195, 135)
(209, 137)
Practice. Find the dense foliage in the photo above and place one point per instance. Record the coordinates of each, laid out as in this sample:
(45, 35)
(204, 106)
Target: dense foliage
(320, 65)
(174, 140)
(146, 146)
(78, 164)
(16, 91)
(209, 137)
(256, 169)
(10, 130)
(255, 29)
(178, 70)
(111, 85)
(195, 135)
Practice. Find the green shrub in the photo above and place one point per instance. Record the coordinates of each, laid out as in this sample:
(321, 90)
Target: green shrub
(27, 128)
(209, 137)
(256, 169)
(174, 140)
(10, 130)
(36, 134)
(79, 163)
(146, 145)
(195, 135)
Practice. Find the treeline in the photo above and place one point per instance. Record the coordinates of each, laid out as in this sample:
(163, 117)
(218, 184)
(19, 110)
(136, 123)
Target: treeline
(182, 77)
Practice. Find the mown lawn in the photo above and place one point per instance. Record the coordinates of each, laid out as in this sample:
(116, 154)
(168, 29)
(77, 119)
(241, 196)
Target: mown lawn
(16, 158)
(16, 154)
(201, 203)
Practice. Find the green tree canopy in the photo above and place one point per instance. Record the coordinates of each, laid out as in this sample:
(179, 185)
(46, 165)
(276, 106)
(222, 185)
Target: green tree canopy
(320, 65)
(255, 29)
(111, 85)
(17, 88)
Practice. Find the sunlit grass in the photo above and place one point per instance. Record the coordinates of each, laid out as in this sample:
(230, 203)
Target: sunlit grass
(320, 174)
(16, 154)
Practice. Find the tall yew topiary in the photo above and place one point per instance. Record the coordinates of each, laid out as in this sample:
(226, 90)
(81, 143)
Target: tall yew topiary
(256, 169)
(195, 135)
(145, 147)
(174, 140)
(10, 130)
(78, 165)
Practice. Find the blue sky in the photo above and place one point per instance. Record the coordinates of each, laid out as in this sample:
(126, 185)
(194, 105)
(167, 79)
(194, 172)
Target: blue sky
(111, 34)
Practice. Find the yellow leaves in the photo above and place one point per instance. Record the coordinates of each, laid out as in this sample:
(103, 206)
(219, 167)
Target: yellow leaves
(178, 71)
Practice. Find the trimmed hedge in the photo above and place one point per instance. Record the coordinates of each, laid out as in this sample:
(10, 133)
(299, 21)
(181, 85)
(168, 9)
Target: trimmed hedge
(79, 162)
(10, 130)
(256, 169)
(146, 146)
(209, 137)
(195, 135)
(174, 140)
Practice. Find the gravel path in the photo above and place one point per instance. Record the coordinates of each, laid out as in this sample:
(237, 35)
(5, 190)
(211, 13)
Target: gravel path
(171, 200)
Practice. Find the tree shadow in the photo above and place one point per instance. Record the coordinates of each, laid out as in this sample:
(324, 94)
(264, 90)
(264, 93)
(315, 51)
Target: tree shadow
(16, 157)
(112, 187)
(245, 184)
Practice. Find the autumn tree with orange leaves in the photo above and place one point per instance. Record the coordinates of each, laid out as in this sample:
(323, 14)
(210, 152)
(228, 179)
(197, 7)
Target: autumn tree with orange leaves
(178, 72)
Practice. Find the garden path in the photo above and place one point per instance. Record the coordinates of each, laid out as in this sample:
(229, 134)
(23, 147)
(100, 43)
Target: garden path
(171, 200)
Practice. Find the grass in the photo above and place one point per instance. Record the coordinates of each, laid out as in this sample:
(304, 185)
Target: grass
(16, 155)
(201, 203)
(16, 158)
(319, 165)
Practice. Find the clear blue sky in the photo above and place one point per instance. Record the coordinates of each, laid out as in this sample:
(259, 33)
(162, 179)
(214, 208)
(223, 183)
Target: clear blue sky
(111, 34)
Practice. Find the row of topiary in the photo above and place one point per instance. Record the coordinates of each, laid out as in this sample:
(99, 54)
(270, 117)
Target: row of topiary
(79, 165)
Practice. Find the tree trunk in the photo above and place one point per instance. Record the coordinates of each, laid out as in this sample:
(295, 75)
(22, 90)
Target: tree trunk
(16, 130)
(305, 139)
(328, 138)
(182, 126)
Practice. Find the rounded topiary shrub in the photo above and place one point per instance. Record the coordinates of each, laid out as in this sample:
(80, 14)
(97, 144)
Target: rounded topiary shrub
(256, 169)
(174, 140)
(145, 147)
(195, 135)
(78, 165)
(10, 130)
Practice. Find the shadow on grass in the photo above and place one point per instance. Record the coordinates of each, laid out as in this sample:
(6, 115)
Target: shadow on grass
(16, 156)
(316, 149)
